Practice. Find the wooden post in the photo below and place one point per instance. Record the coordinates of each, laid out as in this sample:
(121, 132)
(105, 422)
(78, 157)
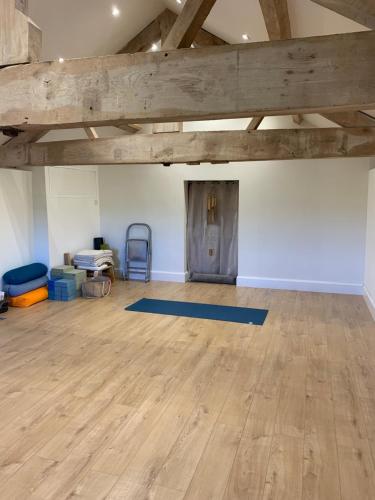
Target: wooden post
(20, 38)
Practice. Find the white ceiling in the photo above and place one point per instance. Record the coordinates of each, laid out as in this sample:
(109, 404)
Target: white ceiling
(83, 28)
(79, 28)
(231, 18)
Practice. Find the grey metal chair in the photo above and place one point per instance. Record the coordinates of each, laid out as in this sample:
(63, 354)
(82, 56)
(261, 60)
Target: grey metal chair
(138, 251)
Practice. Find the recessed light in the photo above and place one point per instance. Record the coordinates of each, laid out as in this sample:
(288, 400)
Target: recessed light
(61, 59)
(154, 47)
(245, 36)
(179, 1)
(115, 11)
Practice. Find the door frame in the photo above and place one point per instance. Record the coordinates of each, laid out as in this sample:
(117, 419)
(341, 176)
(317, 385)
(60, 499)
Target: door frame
(186, 199)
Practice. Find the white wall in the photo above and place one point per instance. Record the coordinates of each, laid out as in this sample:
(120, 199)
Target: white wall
(72, 210)
(302, 224)
(370, 244)
(41, 241)
(16, 219)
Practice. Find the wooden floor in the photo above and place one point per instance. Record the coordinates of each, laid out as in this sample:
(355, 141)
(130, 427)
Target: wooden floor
(101, 403)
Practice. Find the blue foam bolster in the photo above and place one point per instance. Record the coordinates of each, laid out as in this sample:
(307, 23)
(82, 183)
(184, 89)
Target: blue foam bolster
(25, 274)
(17, 290)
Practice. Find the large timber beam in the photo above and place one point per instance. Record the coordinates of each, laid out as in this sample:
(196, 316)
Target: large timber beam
(361, 11)
(276, 18)
(181, 35)
(196, 147)
(286, 77)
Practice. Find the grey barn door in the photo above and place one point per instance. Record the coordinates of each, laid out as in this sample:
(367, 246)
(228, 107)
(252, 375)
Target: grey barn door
(212, 231)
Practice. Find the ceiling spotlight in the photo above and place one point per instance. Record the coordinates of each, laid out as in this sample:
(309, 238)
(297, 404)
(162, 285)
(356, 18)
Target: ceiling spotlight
(154, 47)
(61, 59)
(245, 36)
(179, 1)
(115, 11)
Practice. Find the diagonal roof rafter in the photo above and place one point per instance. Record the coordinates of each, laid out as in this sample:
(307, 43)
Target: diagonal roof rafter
(277, 20)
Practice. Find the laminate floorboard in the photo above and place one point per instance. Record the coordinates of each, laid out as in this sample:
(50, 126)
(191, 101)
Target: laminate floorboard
(101, 403)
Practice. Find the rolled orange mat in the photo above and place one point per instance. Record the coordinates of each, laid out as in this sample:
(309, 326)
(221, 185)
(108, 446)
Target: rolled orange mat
(30, 298)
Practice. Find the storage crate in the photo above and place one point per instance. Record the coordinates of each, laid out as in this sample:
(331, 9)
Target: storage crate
(97, 287)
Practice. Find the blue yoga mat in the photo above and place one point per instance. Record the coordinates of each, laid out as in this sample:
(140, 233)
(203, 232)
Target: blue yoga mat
(203, 311)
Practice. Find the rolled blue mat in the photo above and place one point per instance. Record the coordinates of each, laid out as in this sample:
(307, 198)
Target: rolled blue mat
(25, 274)
(16, 290)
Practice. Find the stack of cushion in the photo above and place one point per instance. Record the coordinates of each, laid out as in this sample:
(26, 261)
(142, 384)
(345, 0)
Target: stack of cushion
(26, 285)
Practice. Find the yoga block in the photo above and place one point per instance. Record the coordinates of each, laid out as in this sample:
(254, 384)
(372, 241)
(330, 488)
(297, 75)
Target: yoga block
(79, 276)
(62, 290)
(58, 271)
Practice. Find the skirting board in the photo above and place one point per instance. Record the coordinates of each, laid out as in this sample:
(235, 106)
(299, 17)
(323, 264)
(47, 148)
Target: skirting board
(273, 283)
(168, 276)
(370, 301)
(159, 276)
(301, 285)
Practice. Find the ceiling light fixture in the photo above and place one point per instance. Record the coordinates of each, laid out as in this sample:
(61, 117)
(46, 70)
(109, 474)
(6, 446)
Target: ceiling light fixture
(179, 1)
(154, 47)
(61, 59)
(115, 11)
(245, 36)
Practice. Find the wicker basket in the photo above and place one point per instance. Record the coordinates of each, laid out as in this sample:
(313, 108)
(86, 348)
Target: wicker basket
(96, 287)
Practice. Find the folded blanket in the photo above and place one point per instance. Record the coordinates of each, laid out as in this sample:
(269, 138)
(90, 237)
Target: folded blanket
(95, 268)
(93, 253)
(17, 290)
(94, 263)
(25, 274)
(30, 298)
(93, 258)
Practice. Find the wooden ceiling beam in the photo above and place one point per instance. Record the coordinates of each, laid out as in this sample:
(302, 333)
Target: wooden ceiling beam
(276, 17)
(143, 41)
(129, 129)
(91, 133)
(297, 119)
(188, 23)
(26, 137)
(283, 77)
(351, 119)
(158, 30)
(203, 38)
(180, 34)
(254, 123)
(197, 147)
(360, 11)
